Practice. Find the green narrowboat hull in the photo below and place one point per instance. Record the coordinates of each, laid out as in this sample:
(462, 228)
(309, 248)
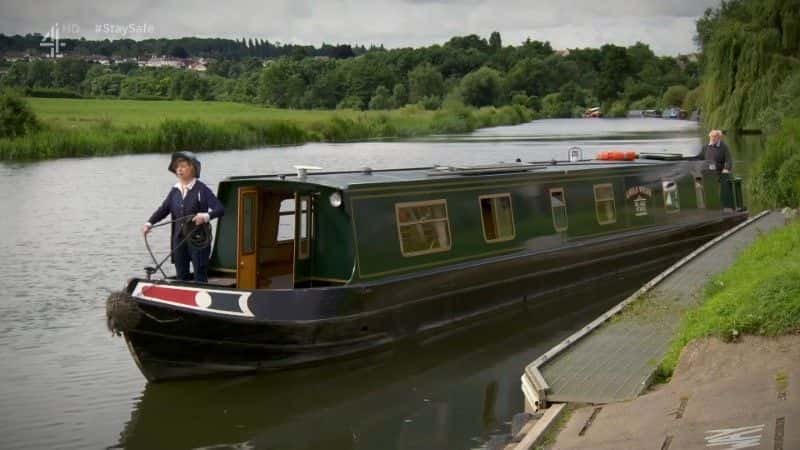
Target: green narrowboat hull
(398, 255)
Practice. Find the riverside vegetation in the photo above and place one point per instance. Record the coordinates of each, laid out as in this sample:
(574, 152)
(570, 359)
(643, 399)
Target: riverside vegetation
(287, 94)
(759, 294)
(77, 127)
(477, 71)
(751, 80)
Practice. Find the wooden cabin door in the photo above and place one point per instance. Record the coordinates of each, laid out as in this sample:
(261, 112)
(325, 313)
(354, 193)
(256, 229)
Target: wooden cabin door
(303, 234)
(247, 239)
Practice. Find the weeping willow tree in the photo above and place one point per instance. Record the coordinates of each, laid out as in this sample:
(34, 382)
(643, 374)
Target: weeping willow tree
(751, 50)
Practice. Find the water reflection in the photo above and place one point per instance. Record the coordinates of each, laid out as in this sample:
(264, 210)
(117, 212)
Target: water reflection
(419, 395)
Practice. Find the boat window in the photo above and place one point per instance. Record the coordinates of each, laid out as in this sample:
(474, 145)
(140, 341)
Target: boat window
(604, 203)
(286, 223)
(423, 227)
(497, 217)
(671, 202)
(558, 205)
(305, 227)
(248, 225)
(700, 192)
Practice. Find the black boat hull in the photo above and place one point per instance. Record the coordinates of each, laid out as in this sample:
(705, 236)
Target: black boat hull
(302, 327)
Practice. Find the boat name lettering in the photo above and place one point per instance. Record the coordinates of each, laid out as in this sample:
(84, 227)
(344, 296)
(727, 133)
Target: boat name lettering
(637, 190)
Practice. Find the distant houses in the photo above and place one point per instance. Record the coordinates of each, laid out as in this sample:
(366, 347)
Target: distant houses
(195, 64)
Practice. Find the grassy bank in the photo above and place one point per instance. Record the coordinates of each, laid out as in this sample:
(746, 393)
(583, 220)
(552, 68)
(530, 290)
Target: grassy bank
(759, 294)
(84, 127)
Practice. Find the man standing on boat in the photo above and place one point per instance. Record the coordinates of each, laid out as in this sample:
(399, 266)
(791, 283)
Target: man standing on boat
(189, 200)
(717, 153)
(718, 158)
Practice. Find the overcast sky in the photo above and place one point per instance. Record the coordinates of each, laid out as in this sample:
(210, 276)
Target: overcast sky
(666, 25)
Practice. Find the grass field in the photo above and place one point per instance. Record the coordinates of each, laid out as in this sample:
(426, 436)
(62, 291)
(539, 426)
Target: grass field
(82, 113)
(759, 294)
(88, 127)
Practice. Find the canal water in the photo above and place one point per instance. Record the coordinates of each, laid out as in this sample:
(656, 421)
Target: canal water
(69, 235)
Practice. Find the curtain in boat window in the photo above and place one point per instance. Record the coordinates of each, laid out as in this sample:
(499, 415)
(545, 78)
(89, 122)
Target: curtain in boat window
(423, 227)
(604, 203)
(498, 217)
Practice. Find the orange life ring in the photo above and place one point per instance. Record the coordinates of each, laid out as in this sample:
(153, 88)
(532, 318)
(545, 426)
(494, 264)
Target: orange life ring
(616, 156)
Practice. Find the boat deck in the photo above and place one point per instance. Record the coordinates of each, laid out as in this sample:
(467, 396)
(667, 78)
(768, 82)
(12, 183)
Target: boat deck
(614, 358)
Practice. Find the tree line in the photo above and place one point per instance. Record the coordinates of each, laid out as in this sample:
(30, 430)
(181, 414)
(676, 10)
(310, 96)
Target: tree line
(180, 48)
(466, 69)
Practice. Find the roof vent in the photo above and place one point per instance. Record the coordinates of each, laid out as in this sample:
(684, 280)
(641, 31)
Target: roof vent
(302, 171)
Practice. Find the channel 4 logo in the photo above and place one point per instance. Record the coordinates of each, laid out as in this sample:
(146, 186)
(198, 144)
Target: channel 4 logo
(52, 39)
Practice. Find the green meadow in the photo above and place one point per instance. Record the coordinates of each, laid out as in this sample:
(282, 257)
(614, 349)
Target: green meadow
(90, 127)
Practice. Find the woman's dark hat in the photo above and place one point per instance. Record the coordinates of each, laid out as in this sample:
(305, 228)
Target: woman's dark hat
(188, 156)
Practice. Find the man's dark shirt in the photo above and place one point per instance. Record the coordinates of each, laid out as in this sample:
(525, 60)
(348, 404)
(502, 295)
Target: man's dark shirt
(718, 154)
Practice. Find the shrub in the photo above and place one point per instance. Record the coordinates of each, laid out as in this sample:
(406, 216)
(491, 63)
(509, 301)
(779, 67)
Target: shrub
(16, 117)
(431, 102)
(648, 102)
(674, 96)
(618, 109)
(776, 176)
(51, 93)
(351, 102)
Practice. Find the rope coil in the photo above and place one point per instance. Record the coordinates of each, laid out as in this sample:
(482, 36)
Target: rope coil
(196, 236)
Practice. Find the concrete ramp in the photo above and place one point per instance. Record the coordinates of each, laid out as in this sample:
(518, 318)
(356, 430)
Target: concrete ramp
(614, 358)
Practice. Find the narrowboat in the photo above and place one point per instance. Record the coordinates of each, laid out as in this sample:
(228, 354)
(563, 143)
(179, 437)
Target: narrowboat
(313, 266)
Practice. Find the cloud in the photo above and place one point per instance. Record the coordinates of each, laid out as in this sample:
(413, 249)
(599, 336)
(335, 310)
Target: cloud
(667, 26)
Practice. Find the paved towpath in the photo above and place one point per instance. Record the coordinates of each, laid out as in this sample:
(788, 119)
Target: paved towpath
(722, 396)
(616, 361)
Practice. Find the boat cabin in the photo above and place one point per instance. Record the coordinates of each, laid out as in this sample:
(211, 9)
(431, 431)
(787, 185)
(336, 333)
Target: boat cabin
(333, 228)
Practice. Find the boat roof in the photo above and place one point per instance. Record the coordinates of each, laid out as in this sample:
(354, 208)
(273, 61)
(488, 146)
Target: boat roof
(347, 180)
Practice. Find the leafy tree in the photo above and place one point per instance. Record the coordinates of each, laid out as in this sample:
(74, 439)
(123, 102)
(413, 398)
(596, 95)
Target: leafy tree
(674, 96)
(328, 88)
(573, 94)
(381, 100)
(691, 101)
(280, 84)
(649, 102)
(639, 55)
(178, 51)
(520, 99)
(424, 81)
(554, 106)
(618, 109)
(126, 67)
(351, 102)
(364, 75)
(613, 69)
(482, 88)
(16, 117)
(40, 74)
(108, 85)
(495, 42)
(69, 73)
(17, 75)
(431, 102)
(529, 75)
(399, 95)
(750, 49)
